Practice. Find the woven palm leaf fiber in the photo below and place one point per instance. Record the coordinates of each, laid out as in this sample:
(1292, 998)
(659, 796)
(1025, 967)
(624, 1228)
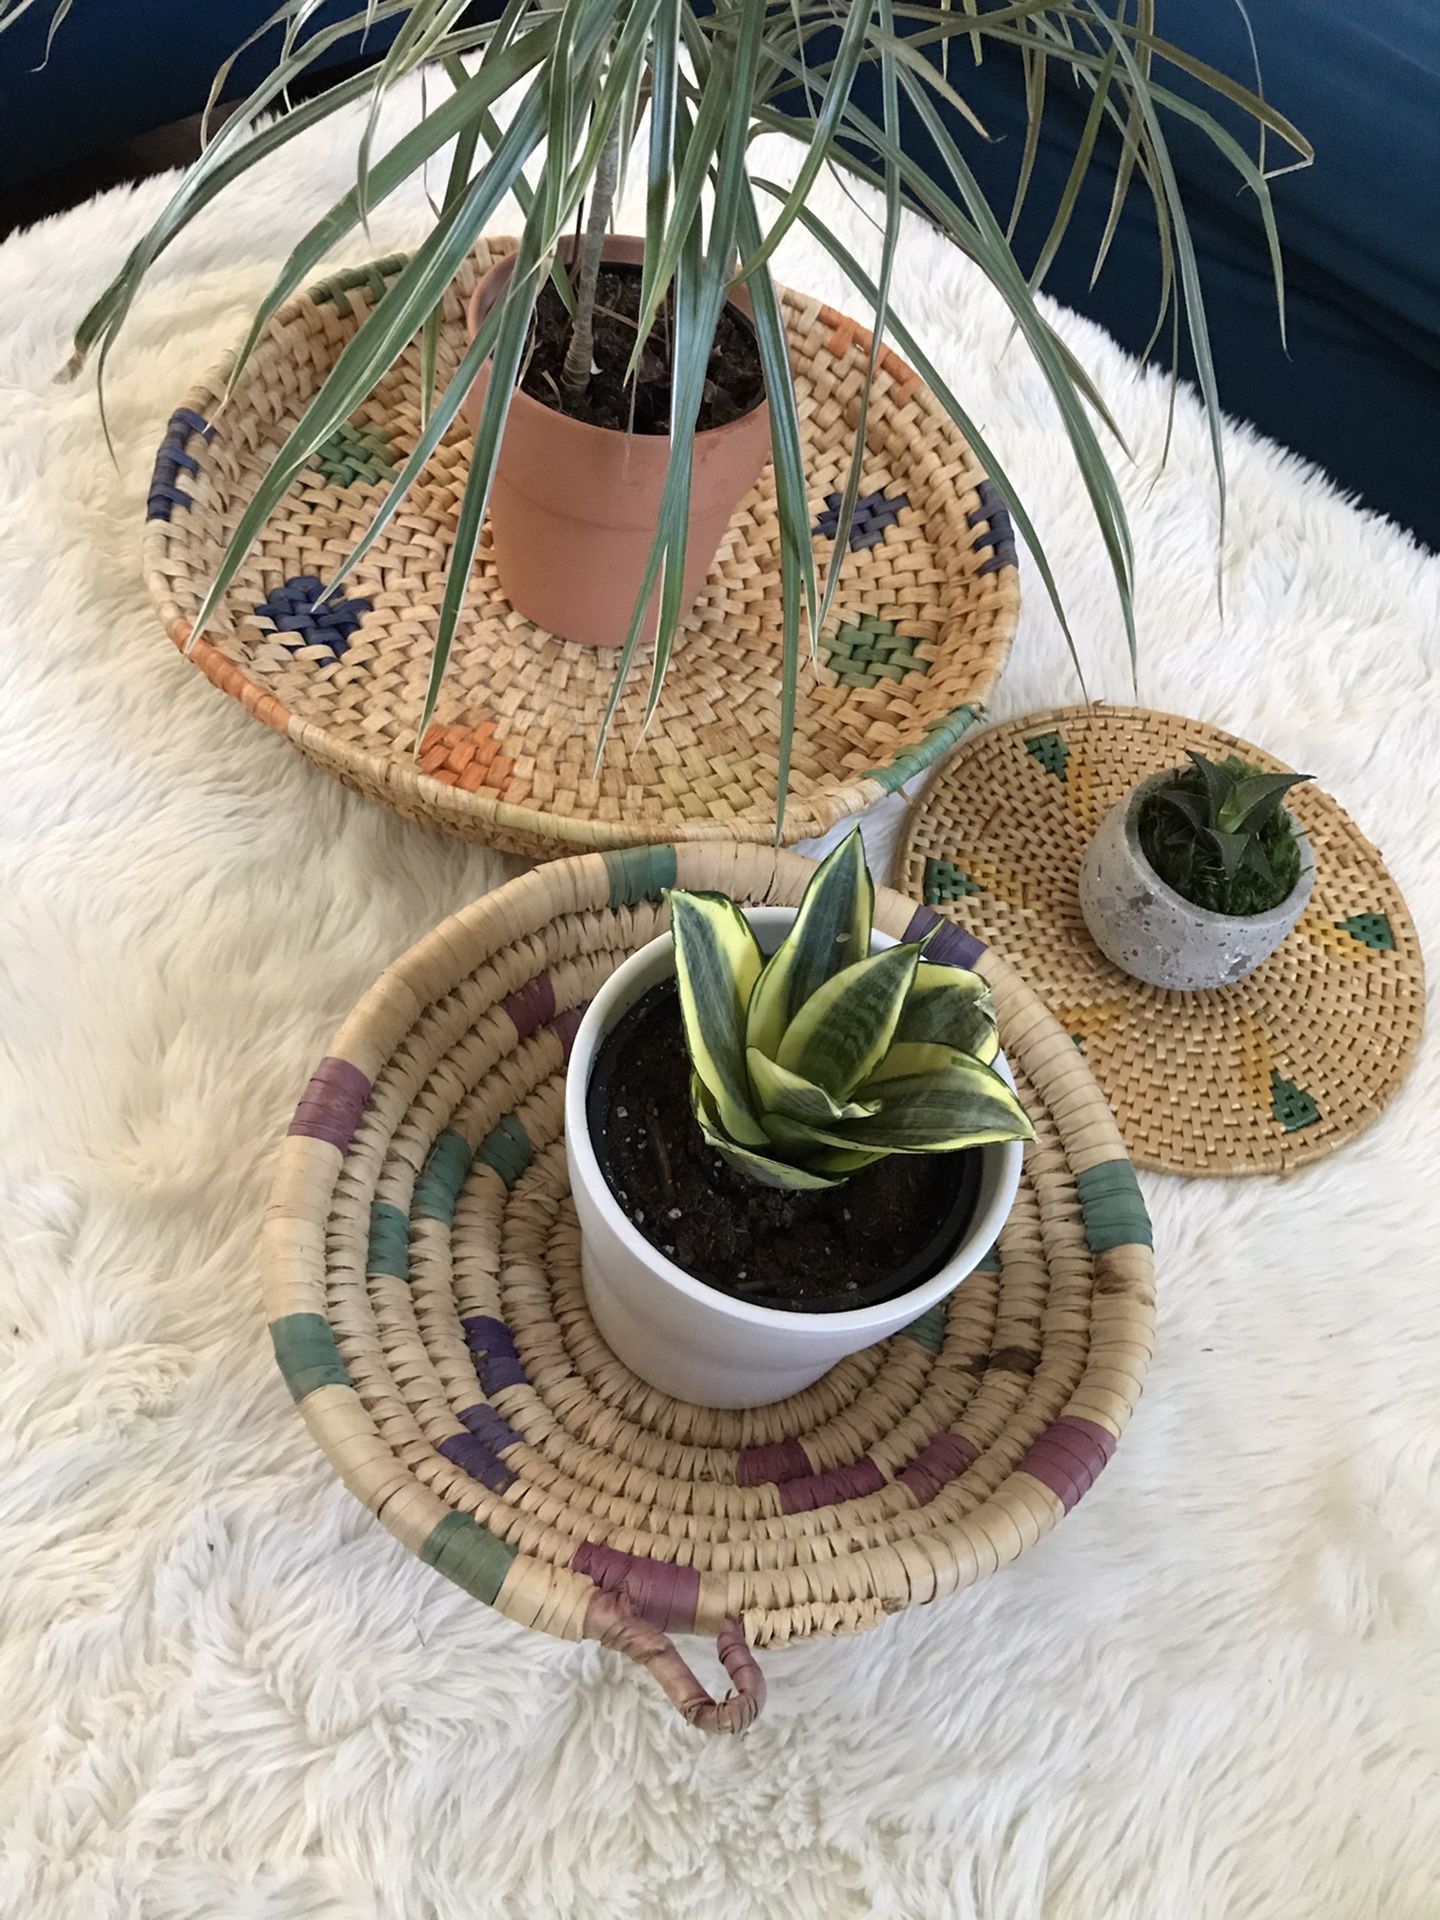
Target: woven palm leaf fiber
(422, 1283)
(921, 627)
(1264, 1076)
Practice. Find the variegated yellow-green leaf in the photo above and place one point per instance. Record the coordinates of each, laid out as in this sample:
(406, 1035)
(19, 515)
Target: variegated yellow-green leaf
(950, 1007)
(780, 1092)
(716, 965)
(831, 931)
(841, 1033)
(931, 1101)
(757, 1166)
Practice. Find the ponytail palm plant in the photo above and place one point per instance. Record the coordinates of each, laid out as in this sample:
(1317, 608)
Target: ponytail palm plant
(682, 88)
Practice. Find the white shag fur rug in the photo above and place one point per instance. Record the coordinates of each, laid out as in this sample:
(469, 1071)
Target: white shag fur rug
(1213, 1693)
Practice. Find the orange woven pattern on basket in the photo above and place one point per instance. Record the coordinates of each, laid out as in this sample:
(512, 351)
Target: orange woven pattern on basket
(922, 622)
(1260, 1077)
(423, 1286)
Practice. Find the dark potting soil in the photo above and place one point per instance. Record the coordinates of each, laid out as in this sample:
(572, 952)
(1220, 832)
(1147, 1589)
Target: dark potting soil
(734, 383)
(883, 1231)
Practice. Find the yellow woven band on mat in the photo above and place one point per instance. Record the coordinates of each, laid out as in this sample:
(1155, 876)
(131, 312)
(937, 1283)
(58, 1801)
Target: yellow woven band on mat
(421, 1265)
(923, 617)
(1263, 1076)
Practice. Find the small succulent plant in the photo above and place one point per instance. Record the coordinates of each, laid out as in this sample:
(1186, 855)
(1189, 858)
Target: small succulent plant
(825, 1057)
(1217, 833)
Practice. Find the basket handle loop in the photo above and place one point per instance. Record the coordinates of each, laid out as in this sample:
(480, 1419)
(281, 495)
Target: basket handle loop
(615, 1624)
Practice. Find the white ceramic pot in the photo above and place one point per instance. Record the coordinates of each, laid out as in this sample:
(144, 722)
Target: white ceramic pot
(1154, 933)
(684, 1337)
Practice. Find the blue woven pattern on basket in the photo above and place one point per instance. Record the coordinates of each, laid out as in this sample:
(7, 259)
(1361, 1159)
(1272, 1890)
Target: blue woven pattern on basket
(873, 514)
(290, 612)
(992, 518)
(172, 460)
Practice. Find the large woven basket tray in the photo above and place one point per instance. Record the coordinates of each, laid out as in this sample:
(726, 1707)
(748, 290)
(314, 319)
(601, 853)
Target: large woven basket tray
(921, 627)
(421, 1269)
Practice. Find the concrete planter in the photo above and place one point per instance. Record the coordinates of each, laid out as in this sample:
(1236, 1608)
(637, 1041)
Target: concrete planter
(1154, 933)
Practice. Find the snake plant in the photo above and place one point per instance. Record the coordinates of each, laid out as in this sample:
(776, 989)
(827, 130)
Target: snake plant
(826, 1058)
(1217, 833)
(688, 85)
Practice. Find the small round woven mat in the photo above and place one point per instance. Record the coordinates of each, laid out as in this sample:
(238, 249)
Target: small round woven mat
(922, 622)
(1260, 1077)
(422, 1282)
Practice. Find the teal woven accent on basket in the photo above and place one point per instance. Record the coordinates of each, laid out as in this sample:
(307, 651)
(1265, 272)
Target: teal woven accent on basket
(306, 1353)
(353, 454)
(1371, 930)
(870, 651)
(938, 740)
(945, 881)
(989, 1262)
(441, 1178)
(1111, 1207)
(1048, 750)
(929, 1330)
(639, 873)
(331, 291)
(1292, 1107)
(507, 1149)
(469, 1554)
(389, 1250)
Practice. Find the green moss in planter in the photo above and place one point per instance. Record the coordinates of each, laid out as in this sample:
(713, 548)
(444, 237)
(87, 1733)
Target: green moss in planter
(1217, 834)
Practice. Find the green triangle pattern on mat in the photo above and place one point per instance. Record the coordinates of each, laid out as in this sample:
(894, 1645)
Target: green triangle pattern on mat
(945, 881)
(354, 454)
(1291, 1105)
(1371, 930)
(1049, 750)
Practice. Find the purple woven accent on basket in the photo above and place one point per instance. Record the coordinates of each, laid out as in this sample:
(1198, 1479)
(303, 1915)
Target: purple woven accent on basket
(785, 1460)
(951, 945)
(466, 1451)
(566, 1025)
(331, 1106)
(937, 1463)
(485, 1423)
(497, 1364)
(531, 1005)
(1068, 1456)
(829, 1489)
(665, 1595)
(172, 460)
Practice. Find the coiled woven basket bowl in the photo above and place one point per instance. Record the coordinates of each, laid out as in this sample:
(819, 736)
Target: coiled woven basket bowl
(422, 1283)
(921, 626)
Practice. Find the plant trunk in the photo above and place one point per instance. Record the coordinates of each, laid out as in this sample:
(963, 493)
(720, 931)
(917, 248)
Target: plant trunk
(575, 376)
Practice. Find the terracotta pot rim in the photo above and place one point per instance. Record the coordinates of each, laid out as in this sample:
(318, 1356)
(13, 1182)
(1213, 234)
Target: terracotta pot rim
(622, 242)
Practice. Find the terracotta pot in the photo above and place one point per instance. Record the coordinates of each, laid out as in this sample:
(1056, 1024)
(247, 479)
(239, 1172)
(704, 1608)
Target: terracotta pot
(573, 507)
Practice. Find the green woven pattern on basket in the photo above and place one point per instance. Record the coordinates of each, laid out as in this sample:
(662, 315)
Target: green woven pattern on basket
(929, 1330)
(353, 454)
(938, 740)
(441, 1178)
(1048, 750)
(870, 651)
(945, 881)
(389, 1250)
(331, 291)
(1371, 930)
(1111, 1207)
(1292, 1107)
(639, 873)
(507, 1149)
(469, 1554)
(306, 1353)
